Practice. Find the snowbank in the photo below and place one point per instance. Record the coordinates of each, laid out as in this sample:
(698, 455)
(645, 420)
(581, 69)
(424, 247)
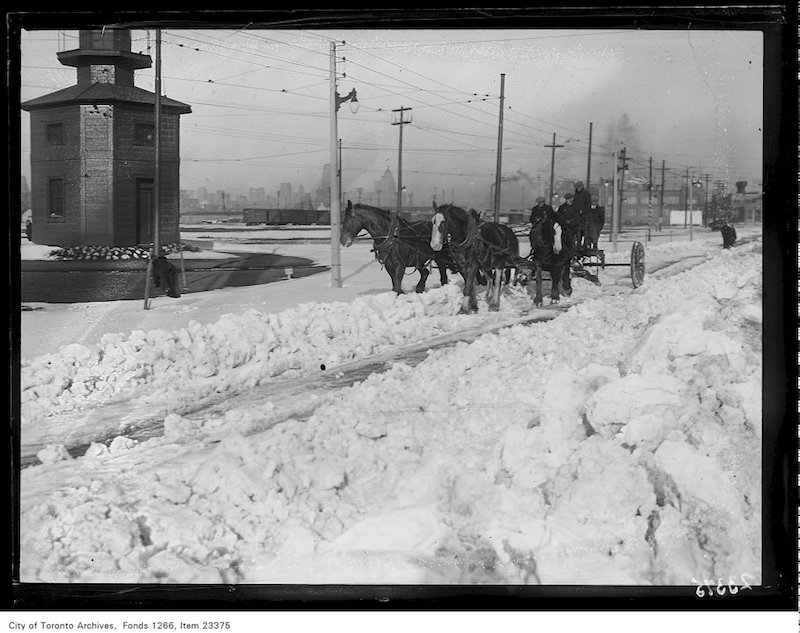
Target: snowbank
(618, 443)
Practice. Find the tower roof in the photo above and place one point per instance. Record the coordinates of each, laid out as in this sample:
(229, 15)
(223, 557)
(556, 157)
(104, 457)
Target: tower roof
(99, 93)
(101, 47)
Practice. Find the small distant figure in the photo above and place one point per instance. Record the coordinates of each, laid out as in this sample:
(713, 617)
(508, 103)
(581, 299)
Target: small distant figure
(165, 276)
(728, 235)
(595, 219)
(29, 229)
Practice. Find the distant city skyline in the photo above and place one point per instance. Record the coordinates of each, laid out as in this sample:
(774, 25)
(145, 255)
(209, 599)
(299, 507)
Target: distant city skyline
(260, 105)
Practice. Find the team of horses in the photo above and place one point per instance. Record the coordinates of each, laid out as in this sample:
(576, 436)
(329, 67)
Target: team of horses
(482, 252)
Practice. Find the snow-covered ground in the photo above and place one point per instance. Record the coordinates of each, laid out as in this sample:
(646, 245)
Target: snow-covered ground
(294, 433)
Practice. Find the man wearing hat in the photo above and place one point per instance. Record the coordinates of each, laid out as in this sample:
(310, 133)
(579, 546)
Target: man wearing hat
(594, 223)
(582, 202)
(539, 210)
(570, 212)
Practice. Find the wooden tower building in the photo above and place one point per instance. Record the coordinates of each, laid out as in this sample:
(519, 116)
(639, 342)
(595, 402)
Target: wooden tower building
(93, 151)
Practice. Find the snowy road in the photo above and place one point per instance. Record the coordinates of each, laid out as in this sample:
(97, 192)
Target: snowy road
(618, 443)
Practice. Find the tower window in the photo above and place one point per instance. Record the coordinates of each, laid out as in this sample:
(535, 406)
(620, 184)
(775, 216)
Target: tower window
(144, 133)
(55, 198)
(54, 134)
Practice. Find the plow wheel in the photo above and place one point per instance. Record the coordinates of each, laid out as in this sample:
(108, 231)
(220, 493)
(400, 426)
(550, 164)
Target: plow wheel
(637, 264)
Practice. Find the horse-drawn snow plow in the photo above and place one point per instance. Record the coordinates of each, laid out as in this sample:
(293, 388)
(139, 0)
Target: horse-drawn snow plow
(586, 262)
(594, 258)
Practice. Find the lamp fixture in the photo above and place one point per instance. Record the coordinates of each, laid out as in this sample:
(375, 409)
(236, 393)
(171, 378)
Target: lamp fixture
(351, 97)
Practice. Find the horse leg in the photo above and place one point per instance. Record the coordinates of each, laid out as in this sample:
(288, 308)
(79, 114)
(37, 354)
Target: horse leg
(565, 279)
(537, 298)
(442, 270)
(423, 276)
(494, 303)
(396, 272)
(468, 302)
(555, 275)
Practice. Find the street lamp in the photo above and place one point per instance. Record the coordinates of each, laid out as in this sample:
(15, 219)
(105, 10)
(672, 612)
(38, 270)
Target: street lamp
(351, 97)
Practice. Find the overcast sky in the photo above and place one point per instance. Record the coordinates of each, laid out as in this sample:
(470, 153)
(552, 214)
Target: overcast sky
(260, 104)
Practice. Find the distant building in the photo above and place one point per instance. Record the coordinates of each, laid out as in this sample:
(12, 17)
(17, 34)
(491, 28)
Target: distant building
(322, 198)
(285, 196)
(257, 194)
(92, 151)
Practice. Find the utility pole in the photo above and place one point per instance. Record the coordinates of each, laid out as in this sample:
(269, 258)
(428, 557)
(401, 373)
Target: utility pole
(339, 175)
(688, 193)
(614, 204)
(401, 122)
(336, 265)
(589, 162)
(335, 203)
(624, 168)
(691, 210)
(706, 177)
(497, 177)
(553, 164)
(661, 197)
(157, 178)
(650, 200)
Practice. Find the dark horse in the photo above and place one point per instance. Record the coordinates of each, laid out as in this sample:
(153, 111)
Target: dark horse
(552, 248)
(477, 247)
(398, 243)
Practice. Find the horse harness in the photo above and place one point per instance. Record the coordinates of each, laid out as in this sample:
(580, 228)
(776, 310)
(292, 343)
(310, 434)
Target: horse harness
(474, 236)
(389, 245)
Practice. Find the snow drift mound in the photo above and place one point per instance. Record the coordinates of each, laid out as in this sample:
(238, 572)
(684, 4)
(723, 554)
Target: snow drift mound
(619, 443)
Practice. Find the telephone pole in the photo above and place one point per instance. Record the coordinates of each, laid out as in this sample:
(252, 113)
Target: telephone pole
(614, 203)
(661, 197)
(650, 200)
(624, 168)
(688, 194)
(497, 177)
(339, 175)
(552, 165)
(691, 211)
(335, 202)
(706, 177)
(401, 122)
(336, 266)
(589, 162)
(157, 179)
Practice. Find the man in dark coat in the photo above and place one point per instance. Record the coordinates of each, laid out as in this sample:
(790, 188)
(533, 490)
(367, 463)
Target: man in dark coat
(165, 276)
(594, 224)
(29, 230)
(539, 210)
(582, 202)
(573, 216)
(728, 235)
